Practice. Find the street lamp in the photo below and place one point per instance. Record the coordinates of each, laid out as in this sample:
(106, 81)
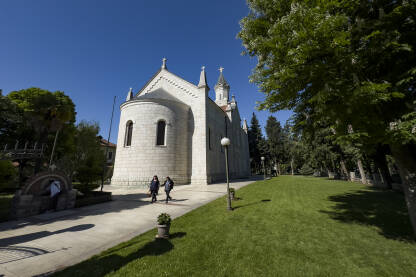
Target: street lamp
(264, 169)
(225, 142)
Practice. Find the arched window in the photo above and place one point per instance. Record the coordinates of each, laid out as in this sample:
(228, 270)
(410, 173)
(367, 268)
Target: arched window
(129, 132)
(161, 127)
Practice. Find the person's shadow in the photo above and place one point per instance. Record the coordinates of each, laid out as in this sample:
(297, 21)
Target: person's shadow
(103, 264)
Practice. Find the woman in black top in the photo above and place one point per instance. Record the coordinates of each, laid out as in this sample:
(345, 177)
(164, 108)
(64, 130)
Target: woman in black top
(154, 188)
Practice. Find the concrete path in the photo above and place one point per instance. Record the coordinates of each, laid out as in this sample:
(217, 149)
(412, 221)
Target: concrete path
(52, 241)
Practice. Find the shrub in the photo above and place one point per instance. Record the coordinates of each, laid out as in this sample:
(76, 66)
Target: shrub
(306, 170)
(164, 219)
(7, 174)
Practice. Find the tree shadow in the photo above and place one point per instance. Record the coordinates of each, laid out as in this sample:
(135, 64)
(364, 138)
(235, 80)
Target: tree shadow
(120, 202)
(384, 209)
(37, 235)
(112, 261)
(252, 203)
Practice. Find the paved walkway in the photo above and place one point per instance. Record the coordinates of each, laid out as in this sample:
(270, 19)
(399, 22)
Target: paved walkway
(52, 241)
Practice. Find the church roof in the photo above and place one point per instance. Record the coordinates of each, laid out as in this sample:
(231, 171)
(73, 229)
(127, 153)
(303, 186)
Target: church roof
(157, 73)
(224, 108)
(104, 142)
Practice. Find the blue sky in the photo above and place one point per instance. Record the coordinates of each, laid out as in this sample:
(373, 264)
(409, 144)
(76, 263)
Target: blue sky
(95, 50)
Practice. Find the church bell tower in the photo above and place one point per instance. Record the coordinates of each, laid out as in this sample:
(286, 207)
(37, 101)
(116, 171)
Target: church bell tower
(222, 90)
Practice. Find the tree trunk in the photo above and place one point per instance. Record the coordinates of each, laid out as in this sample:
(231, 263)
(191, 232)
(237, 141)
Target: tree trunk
(405, 156)
(362, 172)
(344, 170)
(291, 167)
(381, 165)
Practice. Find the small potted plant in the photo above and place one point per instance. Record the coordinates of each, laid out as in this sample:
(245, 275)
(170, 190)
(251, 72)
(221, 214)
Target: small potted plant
(232, 193)
(163, 226)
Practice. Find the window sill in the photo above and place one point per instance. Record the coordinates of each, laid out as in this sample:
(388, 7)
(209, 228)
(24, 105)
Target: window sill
(161, 146)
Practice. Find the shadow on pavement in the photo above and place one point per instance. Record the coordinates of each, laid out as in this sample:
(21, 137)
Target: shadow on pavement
(383, 209)
(119, 203)
(37, 235)
(111, 262)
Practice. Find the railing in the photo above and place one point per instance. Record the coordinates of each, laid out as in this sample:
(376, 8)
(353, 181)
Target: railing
(25, 153)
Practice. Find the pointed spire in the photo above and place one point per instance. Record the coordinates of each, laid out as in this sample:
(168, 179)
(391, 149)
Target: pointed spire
(233, 103)
(245, 127)
(222, 90)
(203, 79)
(129, 95)
(221, 80)
(164, 63)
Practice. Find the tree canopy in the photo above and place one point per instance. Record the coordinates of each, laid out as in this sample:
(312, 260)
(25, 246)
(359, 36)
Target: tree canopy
(350, 66)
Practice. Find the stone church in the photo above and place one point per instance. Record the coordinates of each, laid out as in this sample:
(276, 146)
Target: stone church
(171, 127)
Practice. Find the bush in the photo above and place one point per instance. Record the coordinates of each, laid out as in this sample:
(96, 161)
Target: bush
(8, 174)
(164, 219)
(306, 170)
(85, 188)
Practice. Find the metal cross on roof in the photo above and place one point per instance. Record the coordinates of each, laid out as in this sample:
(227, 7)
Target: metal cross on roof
(221, 69)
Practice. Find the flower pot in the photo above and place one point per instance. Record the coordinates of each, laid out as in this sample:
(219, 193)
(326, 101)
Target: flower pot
(163, 231)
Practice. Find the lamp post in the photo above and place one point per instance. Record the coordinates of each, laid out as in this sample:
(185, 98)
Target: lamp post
(225, 142)
(264, 169)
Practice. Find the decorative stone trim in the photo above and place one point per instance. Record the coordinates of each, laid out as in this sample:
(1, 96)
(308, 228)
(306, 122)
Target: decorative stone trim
(173, 83)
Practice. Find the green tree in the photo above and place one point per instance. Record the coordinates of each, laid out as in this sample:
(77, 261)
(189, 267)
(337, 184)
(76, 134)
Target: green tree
(85, 163)
(351, 61)
(256, 142)
(275, 141)
(10, 121)
(43, 113)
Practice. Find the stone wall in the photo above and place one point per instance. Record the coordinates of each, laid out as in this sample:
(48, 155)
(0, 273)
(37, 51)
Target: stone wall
(136, 164)
(222, 124)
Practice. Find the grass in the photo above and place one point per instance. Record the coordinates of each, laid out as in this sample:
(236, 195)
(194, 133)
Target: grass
(287, 226)
(5, 203)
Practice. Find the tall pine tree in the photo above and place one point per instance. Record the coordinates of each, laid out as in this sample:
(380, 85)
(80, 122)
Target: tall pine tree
(255, 141)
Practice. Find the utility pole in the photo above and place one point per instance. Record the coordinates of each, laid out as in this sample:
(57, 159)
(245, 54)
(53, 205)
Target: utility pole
(108, 142)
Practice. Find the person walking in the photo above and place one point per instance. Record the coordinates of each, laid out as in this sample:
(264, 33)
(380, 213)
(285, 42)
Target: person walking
(168, 187)
(154, 188)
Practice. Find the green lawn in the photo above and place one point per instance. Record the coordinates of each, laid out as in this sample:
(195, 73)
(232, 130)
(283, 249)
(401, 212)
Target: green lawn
(287, 226)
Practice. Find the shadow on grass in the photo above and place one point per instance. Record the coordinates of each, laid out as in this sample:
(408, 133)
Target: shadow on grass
(111, 261)
(252, 203)
(384, 209)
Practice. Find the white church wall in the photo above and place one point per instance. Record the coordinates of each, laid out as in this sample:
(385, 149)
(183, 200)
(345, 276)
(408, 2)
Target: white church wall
(136, 164)
(216, 123)
(237, 150)
(191, 116)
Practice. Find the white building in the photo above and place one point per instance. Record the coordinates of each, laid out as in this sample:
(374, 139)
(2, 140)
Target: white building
(172, 128)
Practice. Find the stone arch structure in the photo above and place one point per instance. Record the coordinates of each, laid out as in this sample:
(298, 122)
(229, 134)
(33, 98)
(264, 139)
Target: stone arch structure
(37, 184)
(34, 197)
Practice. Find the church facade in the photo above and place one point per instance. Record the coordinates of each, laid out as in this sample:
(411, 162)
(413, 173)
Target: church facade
(171, 127)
